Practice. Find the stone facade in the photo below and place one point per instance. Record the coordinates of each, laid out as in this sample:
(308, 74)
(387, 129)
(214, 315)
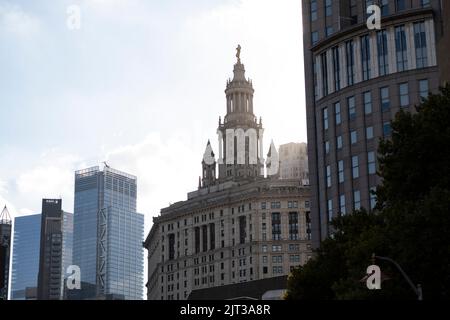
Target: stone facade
(241, 224)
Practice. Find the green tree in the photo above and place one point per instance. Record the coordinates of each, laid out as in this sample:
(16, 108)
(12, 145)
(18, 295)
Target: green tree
(410, 224)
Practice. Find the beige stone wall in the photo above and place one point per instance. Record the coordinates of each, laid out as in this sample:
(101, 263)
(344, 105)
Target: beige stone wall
(234, 262)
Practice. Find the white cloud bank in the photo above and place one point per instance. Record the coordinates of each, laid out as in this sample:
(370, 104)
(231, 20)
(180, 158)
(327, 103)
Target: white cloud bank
(14, 20)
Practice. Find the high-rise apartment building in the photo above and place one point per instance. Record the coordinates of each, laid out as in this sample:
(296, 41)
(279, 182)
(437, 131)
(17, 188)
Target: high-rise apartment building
(5, 251)
(239, 225)
(108, 234)
(356, 81)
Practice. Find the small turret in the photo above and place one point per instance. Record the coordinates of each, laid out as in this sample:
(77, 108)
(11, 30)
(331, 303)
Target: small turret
(208, 167)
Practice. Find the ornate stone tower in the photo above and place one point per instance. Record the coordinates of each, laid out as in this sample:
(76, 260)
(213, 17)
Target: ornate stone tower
(240, 135)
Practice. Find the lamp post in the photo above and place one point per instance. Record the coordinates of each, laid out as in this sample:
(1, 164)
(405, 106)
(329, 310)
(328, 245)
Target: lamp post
(417, 290)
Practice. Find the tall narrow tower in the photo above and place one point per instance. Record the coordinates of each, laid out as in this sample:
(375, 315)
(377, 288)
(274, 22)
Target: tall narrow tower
(5, 250)
(51, 250)
(240, 135)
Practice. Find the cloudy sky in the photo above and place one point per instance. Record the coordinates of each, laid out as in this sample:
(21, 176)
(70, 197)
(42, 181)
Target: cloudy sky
(141, 85)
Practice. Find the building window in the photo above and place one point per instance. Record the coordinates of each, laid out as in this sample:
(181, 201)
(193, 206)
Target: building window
(369, 133)
(313, 10)
(367, 97)
(276, 248)
(425, 3)
(387, 129)
(197, 239)
(365, 56)
(404, 94)
(342, 204)
(329, 31)
(339, 142)
(384, 8)
(275, 205)
(263, 205)
(328, 174)
(357, 200)
(336, 69)
(400, 5)
(330, 210)
(293, 226)
(242, 229)
(327, 147)
(420, 41)
(323, 58)
(385, 100)
(383, 60)
(341, 171)
(355, 167)
(371, 162)
(423, 89)
(328, 8)
(350, 59)
(277, 270)
(373, 197)
(351, 108)
(264, 248)
(325, 119)
(401, 50)
(276, 226)
(294, 258)
(337, 112)
(353, 12)
(314, 37)
(277, 259)
(353, 137)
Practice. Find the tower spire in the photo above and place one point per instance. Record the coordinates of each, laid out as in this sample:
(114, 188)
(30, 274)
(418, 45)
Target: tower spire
(4, 216)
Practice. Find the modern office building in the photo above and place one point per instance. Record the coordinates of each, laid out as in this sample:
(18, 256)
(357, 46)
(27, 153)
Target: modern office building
(240, 225)
(108, 234)
(26, 251)
(294, 161)
(25, 255)
(51, 251)
(356, 81)
(5, 251)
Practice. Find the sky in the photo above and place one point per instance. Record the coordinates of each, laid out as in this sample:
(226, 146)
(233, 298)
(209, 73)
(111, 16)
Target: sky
(140, 85)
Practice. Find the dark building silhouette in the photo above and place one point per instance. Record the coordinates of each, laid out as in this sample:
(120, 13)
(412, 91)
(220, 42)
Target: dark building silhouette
(51, 251)
(5, 250)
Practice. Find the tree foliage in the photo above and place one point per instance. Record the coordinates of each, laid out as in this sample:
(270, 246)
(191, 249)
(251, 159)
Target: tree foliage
(411, 222)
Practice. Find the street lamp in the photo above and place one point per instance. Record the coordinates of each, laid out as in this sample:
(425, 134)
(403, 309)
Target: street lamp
(417, 290)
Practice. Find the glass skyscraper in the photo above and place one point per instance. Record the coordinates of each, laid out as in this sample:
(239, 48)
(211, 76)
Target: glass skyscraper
(26, 248)
(25, 260)
(108, 234)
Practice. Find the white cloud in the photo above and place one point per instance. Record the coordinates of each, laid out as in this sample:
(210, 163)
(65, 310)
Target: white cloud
(163, 166)
(14, 20)
(51, 177)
